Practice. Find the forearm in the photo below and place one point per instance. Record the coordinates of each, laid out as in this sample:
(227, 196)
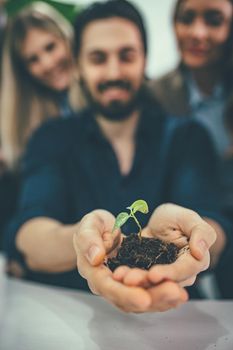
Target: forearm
(47, 245)
(219, 245)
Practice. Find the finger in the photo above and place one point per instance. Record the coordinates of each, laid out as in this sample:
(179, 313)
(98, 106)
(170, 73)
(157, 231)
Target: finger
(88, 240)
(202, 238)
(170, 220)
(189, 282)
(132, 276)
(147, 232)
(112, 241)
(101, 282)
(136, 277)
(184, 268)
(128, 299)
(83, 266)
(166, 296)
(173, 223)
(93, 249)
(120, 272)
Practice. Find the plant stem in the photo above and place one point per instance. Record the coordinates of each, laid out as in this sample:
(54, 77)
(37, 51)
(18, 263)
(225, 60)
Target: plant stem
(137, 222)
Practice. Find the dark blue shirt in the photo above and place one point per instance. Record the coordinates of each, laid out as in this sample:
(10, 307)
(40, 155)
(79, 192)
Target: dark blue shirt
(70, 169)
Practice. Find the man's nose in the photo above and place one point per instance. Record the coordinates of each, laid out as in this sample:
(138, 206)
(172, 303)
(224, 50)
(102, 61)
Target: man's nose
(113, 69)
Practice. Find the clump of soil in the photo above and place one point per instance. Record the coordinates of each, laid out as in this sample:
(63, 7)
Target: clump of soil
(143, 253)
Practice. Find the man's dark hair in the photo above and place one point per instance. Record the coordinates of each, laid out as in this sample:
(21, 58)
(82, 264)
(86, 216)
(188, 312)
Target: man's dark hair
(104, 10)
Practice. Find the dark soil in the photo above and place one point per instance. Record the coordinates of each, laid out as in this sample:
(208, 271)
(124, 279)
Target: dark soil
(143, 253)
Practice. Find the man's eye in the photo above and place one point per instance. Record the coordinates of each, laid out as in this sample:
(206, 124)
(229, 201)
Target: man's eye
(214, 18)
(128, 56)
(186, 17)
(97, 59)
(50, 47)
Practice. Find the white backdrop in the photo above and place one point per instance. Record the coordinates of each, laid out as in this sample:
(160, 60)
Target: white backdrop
(163, 54)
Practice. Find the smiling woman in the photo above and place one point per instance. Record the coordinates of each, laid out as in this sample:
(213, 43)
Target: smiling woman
(199, 87)
(46, 59)
(38, 76)
(202, 30)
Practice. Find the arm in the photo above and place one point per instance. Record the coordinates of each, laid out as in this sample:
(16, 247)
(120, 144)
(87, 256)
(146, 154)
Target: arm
(47, 245)
(38, 231)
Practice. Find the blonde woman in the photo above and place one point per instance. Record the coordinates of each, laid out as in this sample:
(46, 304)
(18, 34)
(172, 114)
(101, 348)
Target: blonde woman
(37, 83)
(37, 76)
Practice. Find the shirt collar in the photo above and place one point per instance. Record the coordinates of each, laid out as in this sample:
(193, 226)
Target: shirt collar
(196, 98)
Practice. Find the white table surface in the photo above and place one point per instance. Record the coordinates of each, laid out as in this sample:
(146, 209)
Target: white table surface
(36, 317)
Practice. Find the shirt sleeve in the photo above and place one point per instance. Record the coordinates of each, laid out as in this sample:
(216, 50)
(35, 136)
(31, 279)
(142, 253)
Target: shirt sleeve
(194, 176)
(43, 192)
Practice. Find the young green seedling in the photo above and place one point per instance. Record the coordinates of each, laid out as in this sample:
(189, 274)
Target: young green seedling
(139, 205)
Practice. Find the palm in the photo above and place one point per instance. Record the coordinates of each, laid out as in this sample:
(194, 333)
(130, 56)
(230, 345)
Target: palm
(171, 223)
(182, 227)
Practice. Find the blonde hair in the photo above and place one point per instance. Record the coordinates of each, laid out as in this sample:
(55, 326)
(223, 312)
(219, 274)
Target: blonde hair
(24, 105)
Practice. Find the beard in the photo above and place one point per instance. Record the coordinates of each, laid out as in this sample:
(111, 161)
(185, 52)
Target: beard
(116, 110)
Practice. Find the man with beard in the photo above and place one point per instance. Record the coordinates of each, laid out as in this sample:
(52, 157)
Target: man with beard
(80, 172)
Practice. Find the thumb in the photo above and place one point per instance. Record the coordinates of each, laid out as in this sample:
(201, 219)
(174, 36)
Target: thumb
(93, 249)
(201, 239)
(95, 254)
(92, 236)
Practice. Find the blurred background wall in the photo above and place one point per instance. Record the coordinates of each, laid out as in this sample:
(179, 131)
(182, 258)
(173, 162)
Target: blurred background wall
(163, 54)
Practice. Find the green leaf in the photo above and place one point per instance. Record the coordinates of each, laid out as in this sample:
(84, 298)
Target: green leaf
(139, 205)
(120, 220)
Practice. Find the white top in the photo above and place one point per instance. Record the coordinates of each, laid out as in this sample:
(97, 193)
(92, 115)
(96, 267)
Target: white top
(209, 111)
(37, 317)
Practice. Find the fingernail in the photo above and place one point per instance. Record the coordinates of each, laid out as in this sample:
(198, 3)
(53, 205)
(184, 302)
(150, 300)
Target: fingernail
(203, 246)
(93, 251)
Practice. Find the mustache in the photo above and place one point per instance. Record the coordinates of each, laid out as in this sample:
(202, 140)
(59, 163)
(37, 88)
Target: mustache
(122, 84)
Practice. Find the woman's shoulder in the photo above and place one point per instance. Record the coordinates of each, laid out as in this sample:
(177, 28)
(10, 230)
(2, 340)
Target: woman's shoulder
(171, 92)
(170, 79)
